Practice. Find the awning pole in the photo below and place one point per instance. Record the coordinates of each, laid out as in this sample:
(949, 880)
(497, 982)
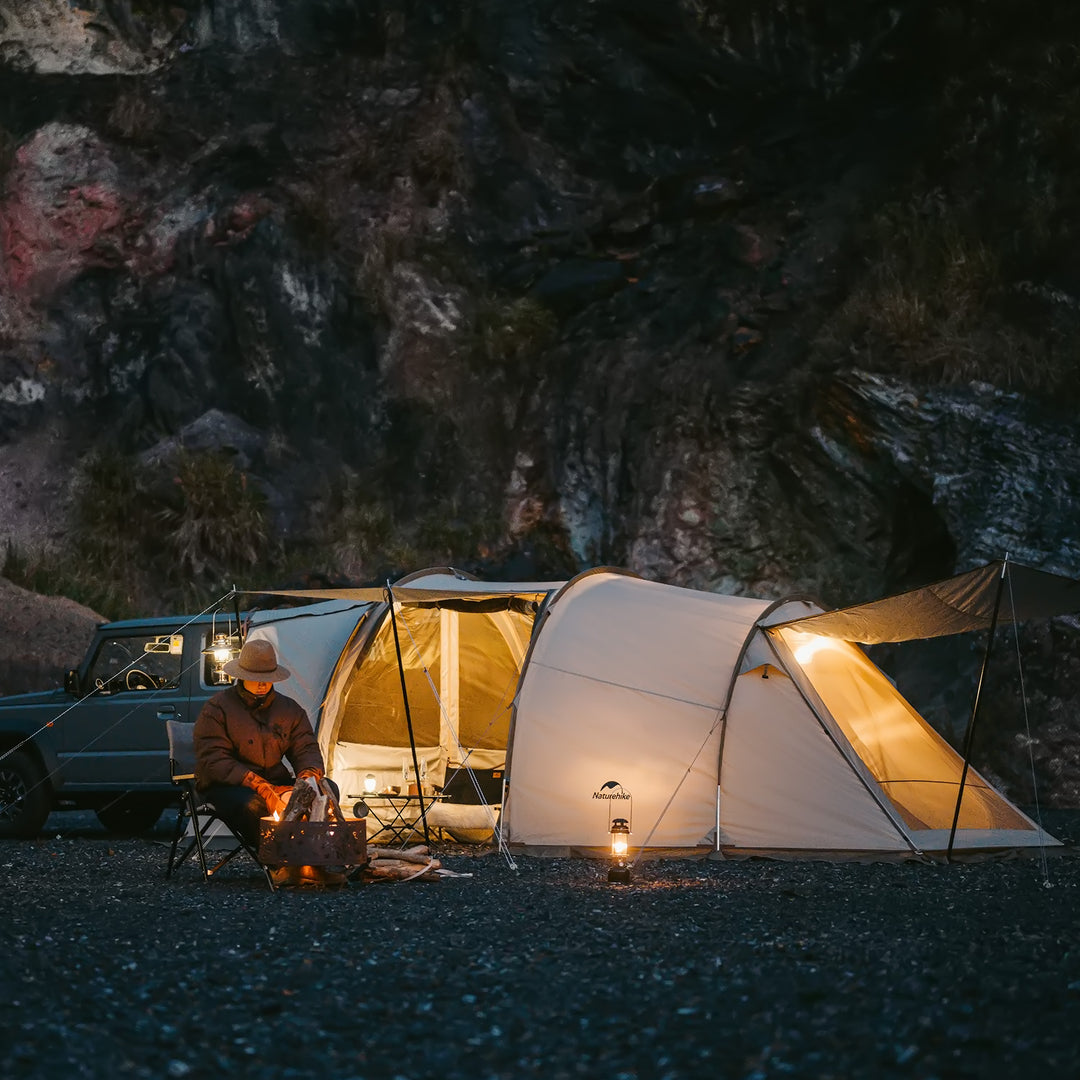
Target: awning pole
(236, 610)
(969, 734)
(408, 714)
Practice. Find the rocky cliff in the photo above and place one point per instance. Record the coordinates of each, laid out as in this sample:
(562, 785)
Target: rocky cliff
(755, 297)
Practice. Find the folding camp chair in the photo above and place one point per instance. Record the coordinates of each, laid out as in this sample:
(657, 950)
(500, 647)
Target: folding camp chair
(195, 816)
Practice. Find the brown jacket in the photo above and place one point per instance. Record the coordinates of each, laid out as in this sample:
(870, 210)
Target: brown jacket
(236, 734)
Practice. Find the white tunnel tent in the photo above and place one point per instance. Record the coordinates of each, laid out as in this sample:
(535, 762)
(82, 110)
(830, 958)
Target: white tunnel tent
(729, 735)
(735, 724)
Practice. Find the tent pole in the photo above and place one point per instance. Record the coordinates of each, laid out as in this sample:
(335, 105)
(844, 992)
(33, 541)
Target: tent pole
(408, 714)
(968, 735)
(236, 610)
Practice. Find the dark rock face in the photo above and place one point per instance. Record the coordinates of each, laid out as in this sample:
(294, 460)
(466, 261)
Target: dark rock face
(532, 286)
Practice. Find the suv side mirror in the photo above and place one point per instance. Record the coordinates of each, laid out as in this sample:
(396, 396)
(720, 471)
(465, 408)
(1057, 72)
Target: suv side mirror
(71, 682)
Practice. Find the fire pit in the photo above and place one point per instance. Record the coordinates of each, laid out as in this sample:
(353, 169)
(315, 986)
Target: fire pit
(313, 843)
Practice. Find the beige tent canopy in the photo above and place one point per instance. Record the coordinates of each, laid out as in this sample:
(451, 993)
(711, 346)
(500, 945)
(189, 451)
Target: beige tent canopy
(724, 724)
(968, 601)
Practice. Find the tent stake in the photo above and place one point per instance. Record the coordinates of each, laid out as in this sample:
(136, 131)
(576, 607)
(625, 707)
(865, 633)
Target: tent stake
(408, 714)
(969, 734)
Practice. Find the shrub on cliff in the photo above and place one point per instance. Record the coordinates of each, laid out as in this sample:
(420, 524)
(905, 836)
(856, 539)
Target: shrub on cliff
(174, 534)
(931, 300)
(217, 522)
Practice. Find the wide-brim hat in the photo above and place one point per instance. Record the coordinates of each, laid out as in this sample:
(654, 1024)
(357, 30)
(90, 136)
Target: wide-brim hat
(257, 662)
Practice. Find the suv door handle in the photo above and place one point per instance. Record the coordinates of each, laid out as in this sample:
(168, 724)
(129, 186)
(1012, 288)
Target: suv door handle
(166, 714)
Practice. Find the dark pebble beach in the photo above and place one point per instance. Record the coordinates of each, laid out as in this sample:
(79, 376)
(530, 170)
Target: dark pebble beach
(752, 968)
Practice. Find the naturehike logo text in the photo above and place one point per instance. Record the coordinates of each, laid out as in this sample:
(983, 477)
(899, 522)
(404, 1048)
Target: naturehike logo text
(612, 790)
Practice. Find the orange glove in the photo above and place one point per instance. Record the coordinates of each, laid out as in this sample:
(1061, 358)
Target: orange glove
(303, 774)
(266, 792)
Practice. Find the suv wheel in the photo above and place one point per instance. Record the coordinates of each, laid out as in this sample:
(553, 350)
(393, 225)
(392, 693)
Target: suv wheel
(130, 814)
(25, 798)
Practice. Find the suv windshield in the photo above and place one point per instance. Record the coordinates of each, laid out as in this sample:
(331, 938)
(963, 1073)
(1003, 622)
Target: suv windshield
(137, 662)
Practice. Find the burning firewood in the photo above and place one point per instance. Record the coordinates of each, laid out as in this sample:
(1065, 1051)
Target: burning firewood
(300, 801)
(314, 801)
(333, 808)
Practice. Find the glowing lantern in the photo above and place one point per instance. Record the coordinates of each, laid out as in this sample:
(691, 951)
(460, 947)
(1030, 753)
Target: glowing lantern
(808, 646)
(620, 846)
(620, 838)
(369, 784)
(222, 649)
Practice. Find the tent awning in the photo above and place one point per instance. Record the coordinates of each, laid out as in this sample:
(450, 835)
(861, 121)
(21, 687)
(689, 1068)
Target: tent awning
(427, 589)
(953, 606)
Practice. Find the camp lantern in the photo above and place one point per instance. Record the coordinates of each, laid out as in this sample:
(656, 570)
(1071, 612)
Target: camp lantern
(224, 646)
(369, 784)
(222, 649)
(620, 838)
(619, 802)
(620, 846)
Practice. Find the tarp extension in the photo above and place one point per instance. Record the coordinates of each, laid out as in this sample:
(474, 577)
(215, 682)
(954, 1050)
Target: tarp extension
(954, 606)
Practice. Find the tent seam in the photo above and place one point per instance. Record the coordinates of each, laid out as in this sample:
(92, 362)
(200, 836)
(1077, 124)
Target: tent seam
(711, 706)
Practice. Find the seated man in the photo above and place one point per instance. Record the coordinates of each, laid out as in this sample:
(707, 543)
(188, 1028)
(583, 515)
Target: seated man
(241, 737)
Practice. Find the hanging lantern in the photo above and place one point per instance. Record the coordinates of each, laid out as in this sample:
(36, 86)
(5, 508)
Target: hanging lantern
(620, 848)
(222, 649)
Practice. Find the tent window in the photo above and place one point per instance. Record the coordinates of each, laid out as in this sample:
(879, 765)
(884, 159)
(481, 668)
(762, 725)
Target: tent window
(918, 771)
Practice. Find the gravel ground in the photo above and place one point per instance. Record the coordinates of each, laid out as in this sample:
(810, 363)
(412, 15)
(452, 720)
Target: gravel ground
(733, 969)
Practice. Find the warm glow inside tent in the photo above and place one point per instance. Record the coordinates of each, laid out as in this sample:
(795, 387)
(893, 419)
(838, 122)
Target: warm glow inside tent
(731, 724)
(460, 671)
(454, 651)
(915, 769)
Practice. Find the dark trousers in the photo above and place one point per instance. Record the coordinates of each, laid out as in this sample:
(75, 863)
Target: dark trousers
(242, 809)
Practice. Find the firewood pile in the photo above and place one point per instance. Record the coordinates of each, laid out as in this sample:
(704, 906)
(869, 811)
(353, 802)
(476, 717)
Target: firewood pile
(411, 864)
